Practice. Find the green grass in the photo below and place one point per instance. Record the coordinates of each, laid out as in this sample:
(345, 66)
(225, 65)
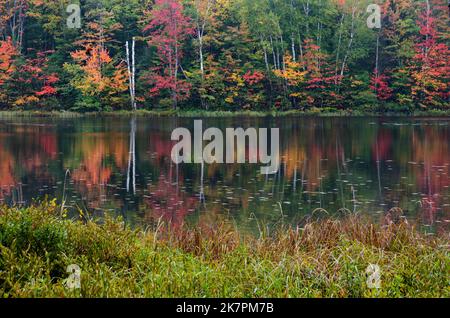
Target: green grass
(326, 258)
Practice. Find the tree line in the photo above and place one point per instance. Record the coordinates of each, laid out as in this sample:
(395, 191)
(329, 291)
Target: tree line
(224, 55)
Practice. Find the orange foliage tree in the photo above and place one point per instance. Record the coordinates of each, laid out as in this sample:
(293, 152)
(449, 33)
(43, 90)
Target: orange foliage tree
(95, 73)
(7, 54)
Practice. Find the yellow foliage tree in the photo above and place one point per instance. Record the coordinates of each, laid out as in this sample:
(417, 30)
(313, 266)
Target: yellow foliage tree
(293, 74)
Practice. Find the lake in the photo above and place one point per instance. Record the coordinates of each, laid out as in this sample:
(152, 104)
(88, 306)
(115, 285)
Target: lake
(329, 166)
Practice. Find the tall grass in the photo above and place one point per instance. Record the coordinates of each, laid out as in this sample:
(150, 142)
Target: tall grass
(326, 258)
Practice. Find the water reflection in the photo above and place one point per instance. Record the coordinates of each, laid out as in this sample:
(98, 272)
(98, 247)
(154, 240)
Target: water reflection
(123, 165)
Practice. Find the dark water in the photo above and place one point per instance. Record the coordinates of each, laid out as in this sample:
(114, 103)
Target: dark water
(365, 165)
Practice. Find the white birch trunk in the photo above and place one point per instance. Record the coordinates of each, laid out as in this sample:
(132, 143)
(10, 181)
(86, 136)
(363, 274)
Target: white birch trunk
(350, 43)
(338, 50)
(131, 66)
(133, 76)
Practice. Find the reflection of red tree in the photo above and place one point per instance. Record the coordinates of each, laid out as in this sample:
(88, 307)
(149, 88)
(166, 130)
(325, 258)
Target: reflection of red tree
(382, 146)
(430, 147)
(168, 203)
(49, 144)
(161, 145)
(7, 179)
(31, 156)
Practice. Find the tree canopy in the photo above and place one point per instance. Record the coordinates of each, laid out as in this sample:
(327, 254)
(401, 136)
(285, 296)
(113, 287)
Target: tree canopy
(225, 54)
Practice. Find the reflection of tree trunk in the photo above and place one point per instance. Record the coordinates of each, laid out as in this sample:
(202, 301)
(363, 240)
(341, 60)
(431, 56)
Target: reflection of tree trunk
(427, 178)
(303, 179)
(131, 175)
(345, 168)
(320, 184)
(202, 185)
(283, 185)
(294, 186)
(379, 171)
(339, 173)
(20, 194)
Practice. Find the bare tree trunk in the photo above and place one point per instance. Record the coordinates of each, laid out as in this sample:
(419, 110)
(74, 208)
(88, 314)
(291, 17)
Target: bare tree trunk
(306, 9)
(133, 77)
(17, 22)
(200, 52)
(175, 97)
(266, 59)
(273, 53)
(377, 57)
(319, 27)
(338, 50)
(350, 43)
(294, 58)
(266, 62)
(201, 20)
(301, 49)
(131, 66)
(202, 66)
(428, 29)
(278, 55)
(283, 62)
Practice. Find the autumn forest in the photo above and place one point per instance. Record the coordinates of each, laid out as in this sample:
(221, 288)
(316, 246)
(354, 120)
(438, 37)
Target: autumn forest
(136, 159)
(224, 55)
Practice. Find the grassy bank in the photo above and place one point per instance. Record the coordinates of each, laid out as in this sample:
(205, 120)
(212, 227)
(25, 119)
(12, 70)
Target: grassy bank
(205, 113)
(324, 259)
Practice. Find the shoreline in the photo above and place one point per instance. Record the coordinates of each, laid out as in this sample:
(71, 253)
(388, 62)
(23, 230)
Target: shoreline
(219, 114)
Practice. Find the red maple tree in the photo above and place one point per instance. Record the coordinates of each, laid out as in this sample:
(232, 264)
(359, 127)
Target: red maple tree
(430, 69)
(34, 79)
(168, 29)
(7, 53)
(379, 84)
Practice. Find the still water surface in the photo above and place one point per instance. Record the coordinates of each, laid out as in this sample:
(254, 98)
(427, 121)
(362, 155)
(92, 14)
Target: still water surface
(365, 165)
